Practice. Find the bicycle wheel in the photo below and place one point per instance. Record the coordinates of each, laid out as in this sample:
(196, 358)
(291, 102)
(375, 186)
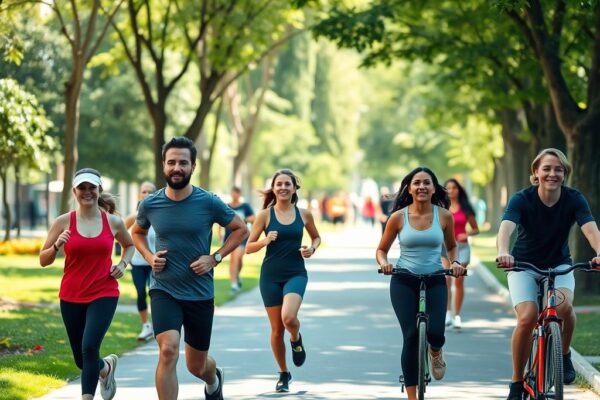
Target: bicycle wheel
(553, 378)
(531, 369)
(423, 364)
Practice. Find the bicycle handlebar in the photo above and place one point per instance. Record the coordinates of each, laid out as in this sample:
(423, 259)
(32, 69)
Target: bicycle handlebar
(523, 266)
(439, 272)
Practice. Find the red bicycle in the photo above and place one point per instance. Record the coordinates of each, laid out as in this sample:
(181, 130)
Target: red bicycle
(543, 377)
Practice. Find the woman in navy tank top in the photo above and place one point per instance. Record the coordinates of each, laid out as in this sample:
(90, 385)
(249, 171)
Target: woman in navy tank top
(421, 221)
(283, 276)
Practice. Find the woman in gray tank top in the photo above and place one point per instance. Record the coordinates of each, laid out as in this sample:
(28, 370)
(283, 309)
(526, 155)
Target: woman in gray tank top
(283, 277)
(421, 221)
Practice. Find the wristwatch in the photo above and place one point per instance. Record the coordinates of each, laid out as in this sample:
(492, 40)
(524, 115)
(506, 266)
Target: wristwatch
(218, 257)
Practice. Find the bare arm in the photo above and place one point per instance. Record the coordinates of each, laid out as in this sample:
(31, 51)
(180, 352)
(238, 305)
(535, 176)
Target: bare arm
(450, 242)
(259, 225)
(473, 224)
(130, 220)
(122, 236)
(503, 242)
(591, 233)
(239, 232)
(393, 226)
(58, 235)
(311, 228)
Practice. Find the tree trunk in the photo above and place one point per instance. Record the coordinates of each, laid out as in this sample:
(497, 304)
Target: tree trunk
(18, 202)
(158, 140)
(516, 151)
(493, 195)
(5, 205)
(72, 92)
(586, 164)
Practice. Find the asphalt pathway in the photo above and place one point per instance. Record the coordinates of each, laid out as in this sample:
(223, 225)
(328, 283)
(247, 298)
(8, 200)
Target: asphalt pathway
(352, 338)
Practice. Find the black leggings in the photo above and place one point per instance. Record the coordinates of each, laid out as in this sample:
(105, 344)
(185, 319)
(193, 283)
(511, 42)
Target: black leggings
(404, 292)
(141, 277)
(86, 325)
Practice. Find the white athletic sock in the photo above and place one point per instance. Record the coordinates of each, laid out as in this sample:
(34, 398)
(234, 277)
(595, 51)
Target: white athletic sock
(210, 389)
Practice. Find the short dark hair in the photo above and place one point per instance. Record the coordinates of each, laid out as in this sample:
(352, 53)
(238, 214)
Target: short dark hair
(180, 142)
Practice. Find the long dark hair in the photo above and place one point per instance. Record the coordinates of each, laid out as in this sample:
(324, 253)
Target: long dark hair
(403, 198)
(269, 196)
(463, 199)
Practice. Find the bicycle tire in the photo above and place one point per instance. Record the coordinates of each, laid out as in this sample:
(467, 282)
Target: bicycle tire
(531, 374)
(423, 364)
(553, 378)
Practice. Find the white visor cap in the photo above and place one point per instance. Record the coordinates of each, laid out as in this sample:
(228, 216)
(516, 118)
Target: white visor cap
(87, 177)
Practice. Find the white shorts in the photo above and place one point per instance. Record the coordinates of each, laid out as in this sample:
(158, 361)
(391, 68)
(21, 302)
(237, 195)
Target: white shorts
(464, 252)
(523, 285)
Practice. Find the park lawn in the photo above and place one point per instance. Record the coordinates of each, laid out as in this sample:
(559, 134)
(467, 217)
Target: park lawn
(32, 374)
(585, 339)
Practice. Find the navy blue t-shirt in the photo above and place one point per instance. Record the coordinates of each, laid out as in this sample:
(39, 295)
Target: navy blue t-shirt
(542, 231)
(184, 229)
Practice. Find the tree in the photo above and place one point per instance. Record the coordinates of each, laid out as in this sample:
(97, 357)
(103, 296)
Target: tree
(23, 140)
(565, 39)
(77, 23)
(223, 38)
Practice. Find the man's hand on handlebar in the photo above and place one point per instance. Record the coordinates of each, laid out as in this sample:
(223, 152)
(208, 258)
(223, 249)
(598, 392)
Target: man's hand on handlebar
(505, 261)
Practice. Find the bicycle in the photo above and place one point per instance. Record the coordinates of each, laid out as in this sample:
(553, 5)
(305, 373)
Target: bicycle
(543, 376)
(424, 376)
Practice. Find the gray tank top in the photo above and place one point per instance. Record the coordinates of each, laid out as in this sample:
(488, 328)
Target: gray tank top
(420, 250)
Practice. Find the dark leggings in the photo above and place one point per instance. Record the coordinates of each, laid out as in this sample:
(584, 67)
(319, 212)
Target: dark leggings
(86, 325)
(141, 277)
(404, 292)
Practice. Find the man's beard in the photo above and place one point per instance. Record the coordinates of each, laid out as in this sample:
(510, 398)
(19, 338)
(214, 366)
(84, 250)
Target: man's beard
(180, 184)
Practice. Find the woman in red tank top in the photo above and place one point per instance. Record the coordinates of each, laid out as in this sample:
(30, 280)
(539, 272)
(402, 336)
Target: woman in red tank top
(464, 215)
(89, 290)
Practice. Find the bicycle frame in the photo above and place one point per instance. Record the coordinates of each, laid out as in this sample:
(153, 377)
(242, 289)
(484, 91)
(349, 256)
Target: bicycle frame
(546, 314)
(548, 320)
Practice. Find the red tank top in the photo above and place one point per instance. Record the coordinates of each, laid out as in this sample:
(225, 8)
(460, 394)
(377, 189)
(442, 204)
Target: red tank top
(87, 265)
(460, 223)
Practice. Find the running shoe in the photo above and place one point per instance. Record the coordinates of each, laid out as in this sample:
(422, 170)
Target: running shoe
(298, 352)
(516, 391)
(283, 384)
(218, 394)
(569, 373)
(457, 324)
(438, 365)
(108, 384)
(146, 333)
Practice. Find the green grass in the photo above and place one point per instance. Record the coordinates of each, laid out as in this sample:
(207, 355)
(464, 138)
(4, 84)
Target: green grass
(33, 374)
(585, 340)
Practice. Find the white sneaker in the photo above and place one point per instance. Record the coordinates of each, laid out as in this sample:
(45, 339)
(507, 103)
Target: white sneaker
(438, 365)
(448, 318)
(147, 332)
(108, 385)
(457, 322)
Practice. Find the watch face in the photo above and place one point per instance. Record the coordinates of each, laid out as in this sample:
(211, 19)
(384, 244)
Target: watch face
(218, 257)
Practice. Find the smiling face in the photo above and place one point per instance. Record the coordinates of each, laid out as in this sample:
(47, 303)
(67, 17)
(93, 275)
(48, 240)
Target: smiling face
(421, 187)
(178, 167)
(283, 187)
(550, 173)
(86, 194)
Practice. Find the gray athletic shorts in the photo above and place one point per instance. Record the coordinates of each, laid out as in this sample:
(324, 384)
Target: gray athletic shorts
(464, 252)
(523, 285)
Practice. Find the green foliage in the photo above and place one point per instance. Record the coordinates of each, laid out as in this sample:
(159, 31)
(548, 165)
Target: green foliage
(115, 134)
(23, 126)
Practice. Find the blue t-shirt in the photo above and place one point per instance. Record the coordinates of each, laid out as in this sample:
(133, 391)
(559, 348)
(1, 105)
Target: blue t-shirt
(184, 228)
(542, 231)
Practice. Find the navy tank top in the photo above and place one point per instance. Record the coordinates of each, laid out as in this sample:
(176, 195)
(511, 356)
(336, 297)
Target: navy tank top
(283, 259)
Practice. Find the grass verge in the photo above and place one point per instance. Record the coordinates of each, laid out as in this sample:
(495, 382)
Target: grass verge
(25, 372)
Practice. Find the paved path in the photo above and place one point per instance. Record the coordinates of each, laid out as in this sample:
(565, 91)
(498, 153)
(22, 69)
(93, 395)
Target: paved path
(352, 338)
